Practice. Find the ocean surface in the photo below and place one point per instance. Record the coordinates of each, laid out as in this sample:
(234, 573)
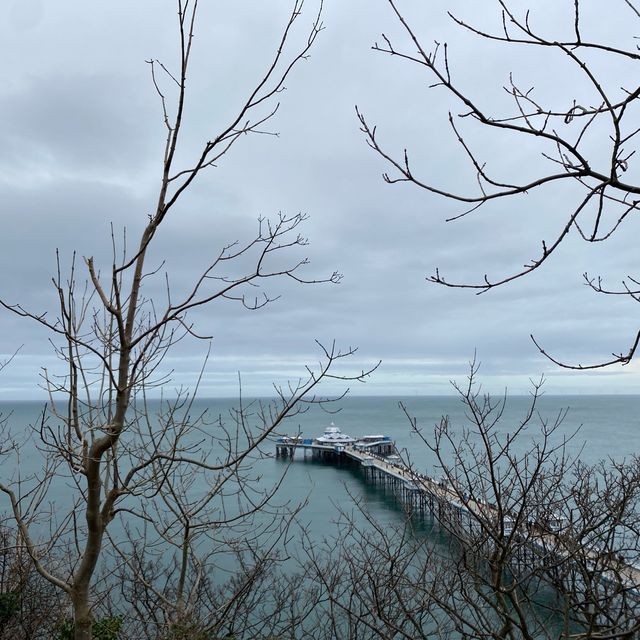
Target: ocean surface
(602, 427)
(596, 428)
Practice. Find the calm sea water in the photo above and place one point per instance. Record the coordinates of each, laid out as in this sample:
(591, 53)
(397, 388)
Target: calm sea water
(608, 427)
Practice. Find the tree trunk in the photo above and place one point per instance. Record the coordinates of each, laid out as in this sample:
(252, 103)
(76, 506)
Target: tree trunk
(82, 616)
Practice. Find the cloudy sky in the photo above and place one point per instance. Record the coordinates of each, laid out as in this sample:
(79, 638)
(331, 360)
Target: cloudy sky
(81, 149)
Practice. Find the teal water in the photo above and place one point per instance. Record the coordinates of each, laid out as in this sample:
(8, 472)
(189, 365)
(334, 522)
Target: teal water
(603, 427)
(607, 427)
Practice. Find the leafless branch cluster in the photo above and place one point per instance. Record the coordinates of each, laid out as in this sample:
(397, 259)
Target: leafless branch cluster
(161, 489)
(533, 543)
(29, 605)
(590, 145)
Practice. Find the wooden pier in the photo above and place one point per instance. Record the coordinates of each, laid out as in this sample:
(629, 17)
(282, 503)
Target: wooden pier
(462, 514)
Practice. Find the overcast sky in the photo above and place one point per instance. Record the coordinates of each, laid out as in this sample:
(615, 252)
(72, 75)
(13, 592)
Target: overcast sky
(81, 149)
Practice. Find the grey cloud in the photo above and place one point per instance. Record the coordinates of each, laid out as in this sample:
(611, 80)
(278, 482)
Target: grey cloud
(83, 144)
(85, 125)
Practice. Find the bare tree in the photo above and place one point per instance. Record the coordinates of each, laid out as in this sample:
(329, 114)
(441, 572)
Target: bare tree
(587, 144)
(30, 606)
(521, 549)
(529, 542)
(205, 555)
(376, 580)
(587, 583)
(106, 461)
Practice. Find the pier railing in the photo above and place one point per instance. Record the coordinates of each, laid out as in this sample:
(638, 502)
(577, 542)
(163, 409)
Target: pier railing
(544, 543)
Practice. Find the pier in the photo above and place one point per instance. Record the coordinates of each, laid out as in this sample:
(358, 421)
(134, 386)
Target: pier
(462, 514)
(335, 443)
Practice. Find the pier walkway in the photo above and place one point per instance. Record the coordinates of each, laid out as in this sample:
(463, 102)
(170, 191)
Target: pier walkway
(460, 513)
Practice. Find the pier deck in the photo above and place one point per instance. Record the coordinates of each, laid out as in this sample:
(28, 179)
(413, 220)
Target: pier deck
(454, 510)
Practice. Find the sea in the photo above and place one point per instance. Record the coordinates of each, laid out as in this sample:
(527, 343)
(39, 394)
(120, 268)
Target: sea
(592, 429)
(596, 428)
